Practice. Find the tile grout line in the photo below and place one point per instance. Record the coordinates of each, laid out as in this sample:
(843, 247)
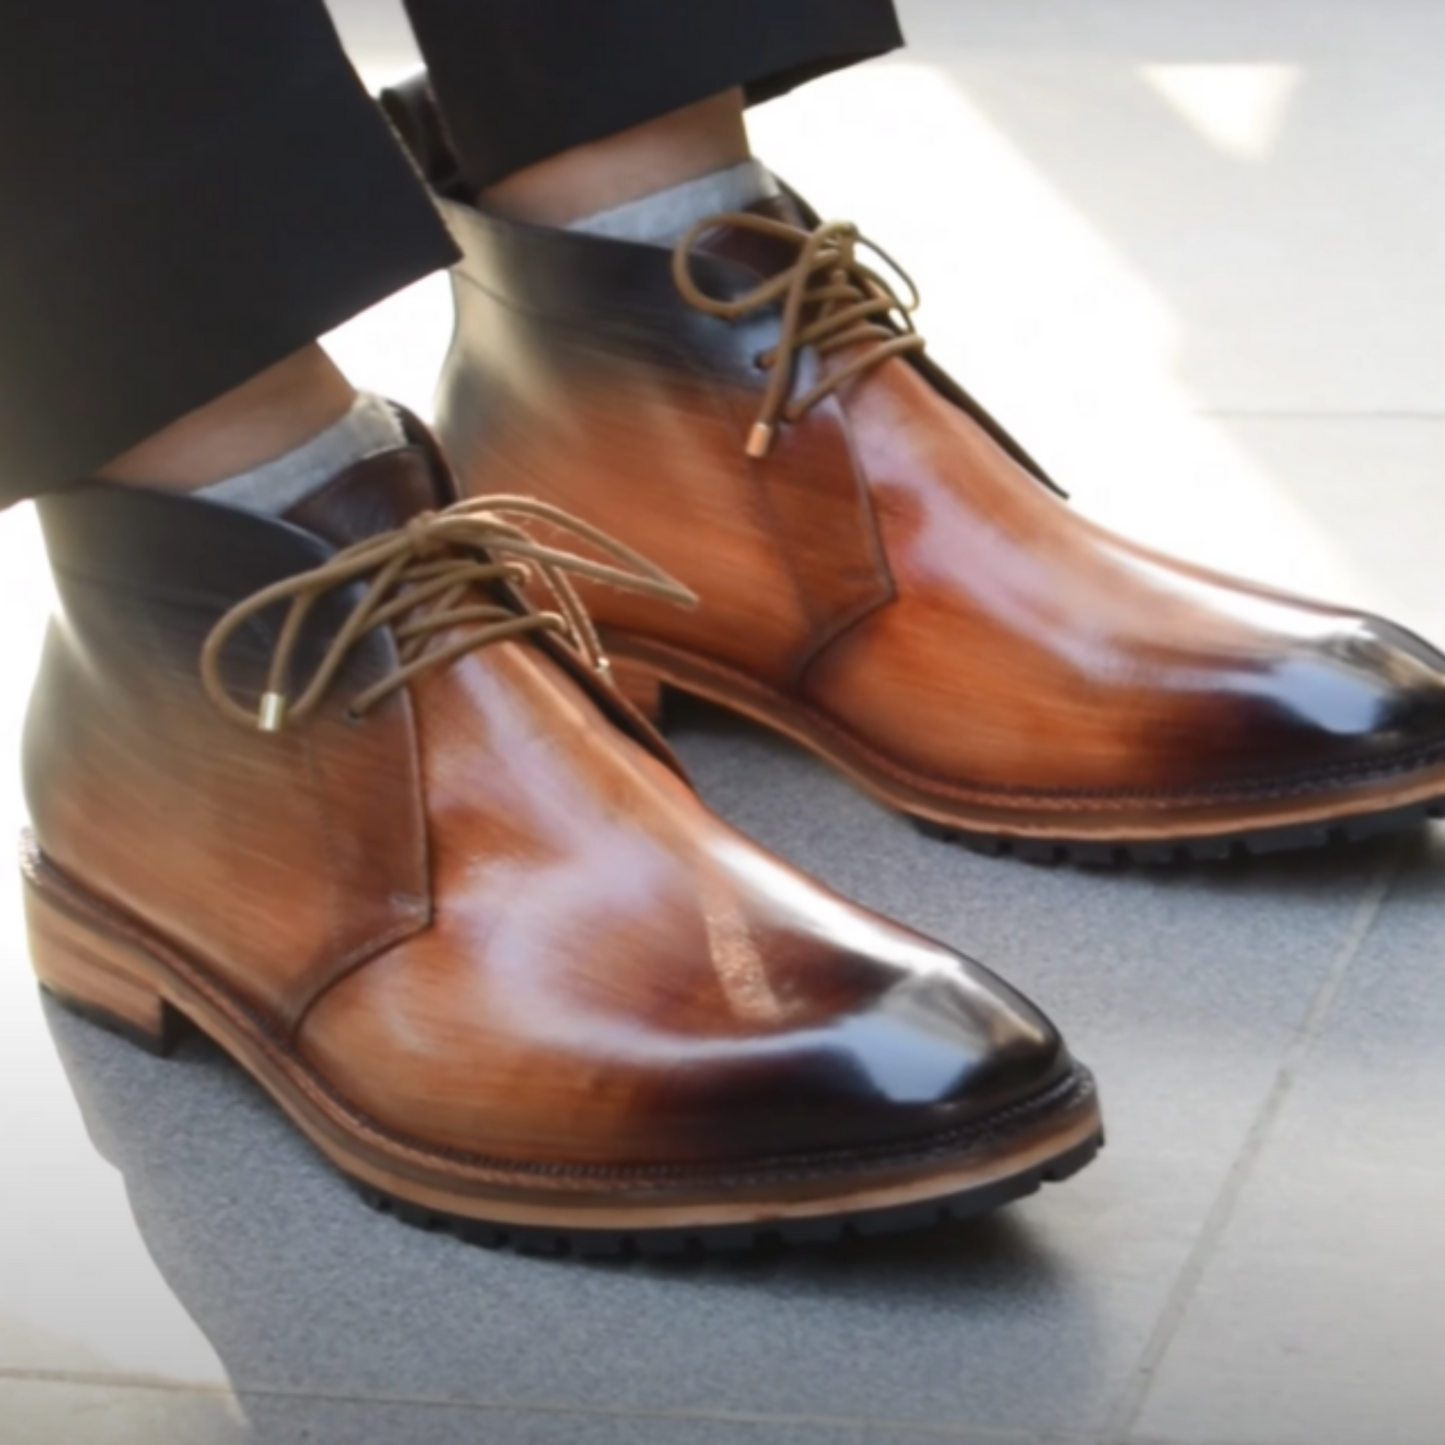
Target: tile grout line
(1221, 1214)
(963, 1431)
(960, 1430)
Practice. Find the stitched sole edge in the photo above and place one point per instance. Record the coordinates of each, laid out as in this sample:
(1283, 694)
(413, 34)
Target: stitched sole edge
(1048, 848)
(741, 1239)
(1174, 852)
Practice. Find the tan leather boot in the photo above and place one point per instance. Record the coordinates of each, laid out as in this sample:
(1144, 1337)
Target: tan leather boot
(326, 789)
(885, 576)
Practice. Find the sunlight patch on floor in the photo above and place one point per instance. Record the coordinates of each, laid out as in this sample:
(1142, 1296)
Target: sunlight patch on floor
(1045, 319)
(1241, 109)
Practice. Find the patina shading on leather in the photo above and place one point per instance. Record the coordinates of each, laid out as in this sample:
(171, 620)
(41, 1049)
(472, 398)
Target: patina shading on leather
(453, 904)
(886, 576)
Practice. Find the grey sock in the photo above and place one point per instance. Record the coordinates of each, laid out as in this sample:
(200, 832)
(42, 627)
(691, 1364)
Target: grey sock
(664, 217)
(369, 428)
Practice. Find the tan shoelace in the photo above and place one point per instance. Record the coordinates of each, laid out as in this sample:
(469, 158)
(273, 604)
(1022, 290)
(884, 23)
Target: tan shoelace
(831, 299)
(428, 573)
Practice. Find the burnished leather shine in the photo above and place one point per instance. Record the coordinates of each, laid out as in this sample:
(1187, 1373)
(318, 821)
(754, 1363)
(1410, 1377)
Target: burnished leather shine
(898, 586)
(484, 943)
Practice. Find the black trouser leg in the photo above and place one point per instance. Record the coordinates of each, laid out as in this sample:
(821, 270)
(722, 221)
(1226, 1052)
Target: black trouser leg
(193, 189)
(520, 80)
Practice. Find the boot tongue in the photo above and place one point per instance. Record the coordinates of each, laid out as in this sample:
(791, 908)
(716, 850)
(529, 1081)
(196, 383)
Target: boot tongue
(378, 495)
(763, 255)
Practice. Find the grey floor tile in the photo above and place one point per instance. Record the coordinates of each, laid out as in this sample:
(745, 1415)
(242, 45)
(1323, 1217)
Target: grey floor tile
(965, 1435)
(1319, 1320)
(68, 1413)
(44, 1412)
(1243, 163)
(1373, 486)
(893, 1435)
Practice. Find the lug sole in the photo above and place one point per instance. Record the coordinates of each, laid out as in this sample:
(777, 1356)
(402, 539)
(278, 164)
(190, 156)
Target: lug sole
(746, 1238)
(647, 673)
(109, 969)
(1211, 848)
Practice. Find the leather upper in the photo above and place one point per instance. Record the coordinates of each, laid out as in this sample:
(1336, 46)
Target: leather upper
(896, 567)
(490, 914)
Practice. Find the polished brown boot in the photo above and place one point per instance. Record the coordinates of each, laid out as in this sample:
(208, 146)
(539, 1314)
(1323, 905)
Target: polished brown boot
(327, 790)
(885, 575)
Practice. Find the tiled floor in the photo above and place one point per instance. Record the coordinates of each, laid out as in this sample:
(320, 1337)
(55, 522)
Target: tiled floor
(1196, 254)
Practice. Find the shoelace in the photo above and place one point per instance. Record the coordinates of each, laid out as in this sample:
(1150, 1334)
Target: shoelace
(831, 299)
(424, 577)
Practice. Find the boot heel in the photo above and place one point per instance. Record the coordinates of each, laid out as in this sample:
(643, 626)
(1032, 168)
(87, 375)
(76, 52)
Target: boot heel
(641, 687)
(98, 974)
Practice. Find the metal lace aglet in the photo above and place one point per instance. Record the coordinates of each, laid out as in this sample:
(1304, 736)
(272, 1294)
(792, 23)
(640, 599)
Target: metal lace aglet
(603, 669)
(760, 440)
(271, 717)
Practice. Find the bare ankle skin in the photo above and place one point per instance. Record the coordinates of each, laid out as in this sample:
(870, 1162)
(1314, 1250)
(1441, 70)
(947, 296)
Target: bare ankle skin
(273, 413)
(695, 141)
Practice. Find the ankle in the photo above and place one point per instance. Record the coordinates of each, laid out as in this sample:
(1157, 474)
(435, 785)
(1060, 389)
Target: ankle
(695, 141)
(264, 418)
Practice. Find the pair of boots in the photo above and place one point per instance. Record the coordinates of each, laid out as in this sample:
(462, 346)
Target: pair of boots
(362, 792)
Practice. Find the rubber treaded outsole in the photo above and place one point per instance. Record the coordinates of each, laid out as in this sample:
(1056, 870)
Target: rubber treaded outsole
(1216, 848)
(735, 1239)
